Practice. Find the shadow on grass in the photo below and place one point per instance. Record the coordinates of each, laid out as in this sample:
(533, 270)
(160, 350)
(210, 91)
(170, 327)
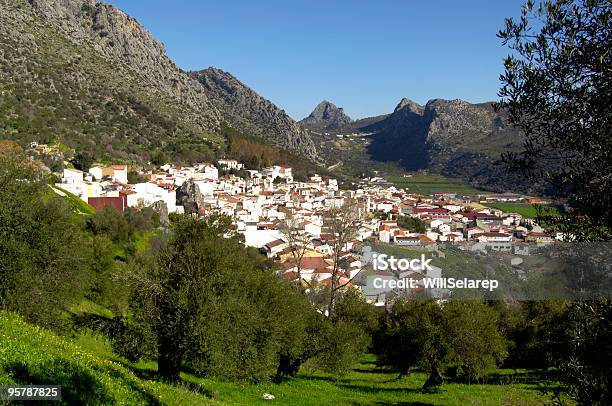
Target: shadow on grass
(405, 403)
(373, 371)
(375, 390)
(142, 373)
(318, 378)
(533, 377)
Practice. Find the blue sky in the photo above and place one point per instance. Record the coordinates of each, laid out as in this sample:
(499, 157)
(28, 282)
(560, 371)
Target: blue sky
(361, 55)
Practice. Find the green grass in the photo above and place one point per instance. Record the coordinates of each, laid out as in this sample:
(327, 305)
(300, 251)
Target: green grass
(142, 239)
(428, 184)
(90, 373)
(89, 307)
(524, 209)
(31, 355)
(78, 206)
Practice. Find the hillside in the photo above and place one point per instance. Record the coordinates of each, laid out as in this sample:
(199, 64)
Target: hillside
(251, 114)
(327, 117)
(87, 74)
(54, 88)
(90, 373)
(32, 355)
(116, 35)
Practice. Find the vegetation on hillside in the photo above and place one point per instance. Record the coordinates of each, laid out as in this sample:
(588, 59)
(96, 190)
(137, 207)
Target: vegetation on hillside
(254, 153)
(52, 89)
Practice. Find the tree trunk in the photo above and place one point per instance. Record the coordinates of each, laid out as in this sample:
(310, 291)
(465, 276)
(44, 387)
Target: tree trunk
(169, 361)
(287, 367)
(435, 378)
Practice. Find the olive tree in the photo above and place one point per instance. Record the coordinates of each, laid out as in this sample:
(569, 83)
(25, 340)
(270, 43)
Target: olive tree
(205, 302)
(557, 88)
(44, 253)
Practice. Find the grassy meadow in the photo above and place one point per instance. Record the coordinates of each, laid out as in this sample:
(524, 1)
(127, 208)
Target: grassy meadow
(90, 373)
(429, 184)
(524, 209)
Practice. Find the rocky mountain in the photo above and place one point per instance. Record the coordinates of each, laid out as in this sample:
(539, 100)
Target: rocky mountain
(251, 114)
(54, 88)
(419, 137)
(116, 35)
(327, 117)
(85, 73)
(453, 137)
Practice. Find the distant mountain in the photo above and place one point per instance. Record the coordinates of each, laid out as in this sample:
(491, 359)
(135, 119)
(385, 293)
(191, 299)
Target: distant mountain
(452, 137)
(251, 114)
(364, 123)
(327, 117)
(419, 137)
(87, 74)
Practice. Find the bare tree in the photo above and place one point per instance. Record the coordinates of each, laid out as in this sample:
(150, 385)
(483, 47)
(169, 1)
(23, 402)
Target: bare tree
(297, 241)
(343, 224)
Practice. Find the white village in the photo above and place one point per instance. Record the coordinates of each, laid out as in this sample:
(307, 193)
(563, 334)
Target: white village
(295, 223)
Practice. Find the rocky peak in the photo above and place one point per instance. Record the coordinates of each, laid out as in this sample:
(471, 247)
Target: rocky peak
(407, 104)
(327, 116)
(327, 111)
(457, 119)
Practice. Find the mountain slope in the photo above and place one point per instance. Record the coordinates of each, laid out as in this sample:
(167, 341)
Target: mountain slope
(56, 88)
(327, 117)
(87, 74)
(453, 137)
(251, 114)
(116, 35)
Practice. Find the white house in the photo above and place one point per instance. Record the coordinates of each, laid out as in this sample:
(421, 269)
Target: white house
(149, 193)
(274, 247)
(96, 172)
(72, 176)
(119, 173)
(495, 237)
(230, 164)
(210, 171)
(312, 228)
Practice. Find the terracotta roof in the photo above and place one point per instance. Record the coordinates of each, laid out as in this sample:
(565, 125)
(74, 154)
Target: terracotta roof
(274, 243)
